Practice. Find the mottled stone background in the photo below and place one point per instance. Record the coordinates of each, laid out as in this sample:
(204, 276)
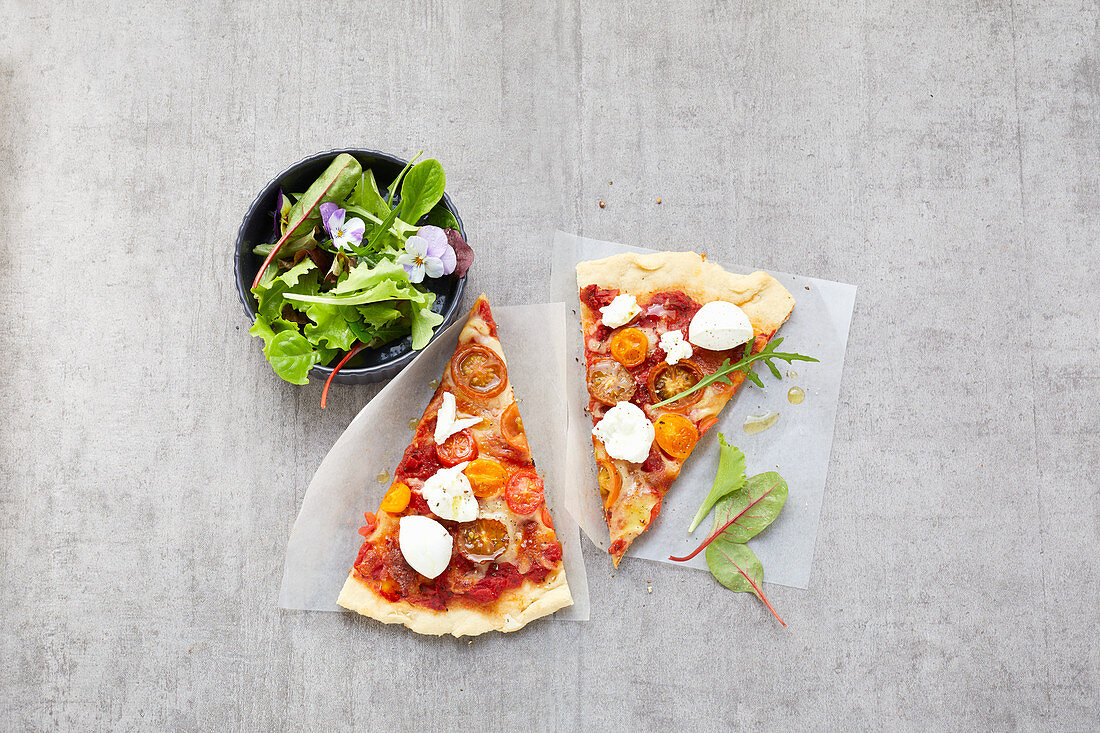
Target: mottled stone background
(943, 156)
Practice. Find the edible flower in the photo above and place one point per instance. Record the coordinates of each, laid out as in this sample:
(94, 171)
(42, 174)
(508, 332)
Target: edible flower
(427, 253)
(282, 211)
(345, 234)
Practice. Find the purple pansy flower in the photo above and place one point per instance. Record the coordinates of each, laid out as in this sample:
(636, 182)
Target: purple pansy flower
(345, 234)
(427, 253)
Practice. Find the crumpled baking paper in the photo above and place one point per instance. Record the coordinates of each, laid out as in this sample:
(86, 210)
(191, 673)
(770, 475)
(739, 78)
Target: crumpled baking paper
(797, 445)
(324, 540)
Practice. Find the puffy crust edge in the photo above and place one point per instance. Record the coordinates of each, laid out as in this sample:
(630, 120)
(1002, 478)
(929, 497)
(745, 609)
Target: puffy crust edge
(765, 301)
(533, 602)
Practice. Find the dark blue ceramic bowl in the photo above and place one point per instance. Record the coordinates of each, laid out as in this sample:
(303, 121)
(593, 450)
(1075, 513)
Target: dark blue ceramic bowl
(258, 227)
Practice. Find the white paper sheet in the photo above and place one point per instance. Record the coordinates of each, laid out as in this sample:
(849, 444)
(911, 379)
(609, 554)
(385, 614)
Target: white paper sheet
(324, 540)
(797, 446)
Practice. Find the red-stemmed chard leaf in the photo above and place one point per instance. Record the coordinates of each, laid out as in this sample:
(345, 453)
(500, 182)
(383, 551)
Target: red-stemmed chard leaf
(347, 357)
(735, 566)
(745, 513)
(334, 185)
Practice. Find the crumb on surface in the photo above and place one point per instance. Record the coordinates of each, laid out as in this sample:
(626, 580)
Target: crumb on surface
(603, 204)
(658, 200)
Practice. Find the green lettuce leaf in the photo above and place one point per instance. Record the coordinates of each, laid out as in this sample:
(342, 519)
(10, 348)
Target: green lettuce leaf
(424, 320)
(330, 325)
(292, 356)
(730, 478)
(364, 276)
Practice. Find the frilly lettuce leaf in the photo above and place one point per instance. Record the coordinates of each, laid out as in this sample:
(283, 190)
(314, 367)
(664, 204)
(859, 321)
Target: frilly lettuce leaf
(331, 325)
(424, 320)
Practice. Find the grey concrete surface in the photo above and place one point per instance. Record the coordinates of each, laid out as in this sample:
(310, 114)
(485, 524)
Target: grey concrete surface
(944, 157)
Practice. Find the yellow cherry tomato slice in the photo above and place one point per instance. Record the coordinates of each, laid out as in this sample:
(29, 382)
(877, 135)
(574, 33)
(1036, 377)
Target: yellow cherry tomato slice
(675, 434)
(479, 372)
(486, 477)
(629, 347)
(610, 382)
(396, 499)
(610, 481)
(482, 539)
(669, 380)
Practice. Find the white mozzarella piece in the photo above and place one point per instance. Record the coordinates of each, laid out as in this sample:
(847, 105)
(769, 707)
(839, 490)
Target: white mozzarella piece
(626, 433)
(426, 544)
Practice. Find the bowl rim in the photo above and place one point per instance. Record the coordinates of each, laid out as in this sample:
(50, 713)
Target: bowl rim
(386, 369)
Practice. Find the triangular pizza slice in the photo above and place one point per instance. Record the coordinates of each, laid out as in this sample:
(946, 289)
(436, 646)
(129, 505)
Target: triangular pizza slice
(463, 542)
(654, 325)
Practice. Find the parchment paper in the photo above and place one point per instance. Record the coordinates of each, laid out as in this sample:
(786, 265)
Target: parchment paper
(324, 540)
(797, 446)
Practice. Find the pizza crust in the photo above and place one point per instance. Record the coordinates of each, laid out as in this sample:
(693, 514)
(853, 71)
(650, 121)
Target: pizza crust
(767, 303)
(514, 610)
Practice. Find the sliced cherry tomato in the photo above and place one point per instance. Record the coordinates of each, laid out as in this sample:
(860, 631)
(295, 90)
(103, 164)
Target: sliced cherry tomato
(458, 448)
(544, 515)
(668, 380)
(707, 424)
(486, 476)
(482, 539)
(610, 382)
(675, 434)
(610, 481)
(524, 492)
(371, 524)
(511, 427)
(396, 499)
(479, 372)
(629, 347)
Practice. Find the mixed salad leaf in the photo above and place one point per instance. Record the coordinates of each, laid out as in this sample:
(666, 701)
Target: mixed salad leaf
(743, 507)
(347, 270)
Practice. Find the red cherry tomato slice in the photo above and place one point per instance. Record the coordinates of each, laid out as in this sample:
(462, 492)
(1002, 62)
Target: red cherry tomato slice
(511, 427)
(524, 492)
(458, 448)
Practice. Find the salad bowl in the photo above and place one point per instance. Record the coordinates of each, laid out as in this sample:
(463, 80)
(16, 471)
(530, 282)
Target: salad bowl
(259, 227)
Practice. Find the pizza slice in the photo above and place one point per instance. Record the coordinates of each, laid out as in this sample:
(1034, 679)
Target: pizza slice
(654, 325)
(463, 542)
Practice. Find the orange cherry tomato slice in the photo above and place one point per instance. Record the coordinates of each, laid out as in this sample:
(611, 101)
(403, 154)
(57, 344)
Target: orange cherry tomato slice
(610, 481)
(675, 434)
(629, 347)
(482, 539)
(667, 380)
(609, 382)
(524, 492)
(511, 427)
(486, 476)
(544, 514)
(396, 499)
(479, 371)
(458, 448)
